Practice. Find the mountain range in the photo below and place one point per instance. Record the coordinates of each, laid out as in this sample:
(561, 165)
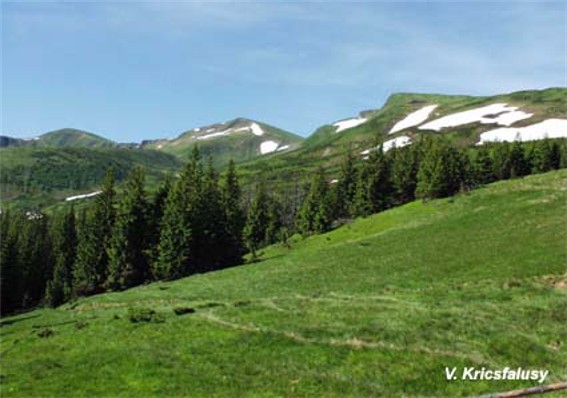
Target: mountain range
(28, 168)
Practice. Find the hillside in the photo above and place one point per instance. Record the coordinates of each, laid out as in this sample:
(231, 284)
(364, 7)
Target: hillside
(239, 139)
(328, 144)
(40, 177)
(378, 307)
(63, 138)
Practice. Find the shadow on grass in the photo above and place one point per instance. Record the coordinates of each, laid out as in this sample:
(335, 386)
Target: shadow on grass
(8, 322)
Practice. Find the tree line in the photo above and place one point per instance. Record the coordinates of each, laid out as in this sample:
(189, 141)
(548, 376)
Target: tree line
(200, 221)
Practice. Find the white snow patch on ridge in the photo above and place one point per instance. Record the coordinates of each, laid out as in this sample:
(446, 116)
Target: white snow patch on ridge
(506, 115)
(550, 128)
(413, 119)
(268, 146)
(213, 135)
(397, 142)
(349, 123)
(283, 148)
(256, 130)
(86, 195)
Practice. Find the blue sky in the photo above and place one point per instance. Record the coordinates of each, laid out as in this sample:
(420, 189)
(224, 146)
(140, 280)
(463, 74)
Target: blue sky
(132, 71)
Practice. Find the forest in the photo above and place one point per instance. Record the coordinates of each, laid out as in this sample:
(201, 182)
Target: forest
(200, 221)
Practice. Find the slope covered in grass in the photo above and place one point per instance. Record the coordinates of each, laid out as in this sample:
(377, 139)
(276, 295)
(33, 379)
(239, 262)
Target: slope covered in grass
(376, 308)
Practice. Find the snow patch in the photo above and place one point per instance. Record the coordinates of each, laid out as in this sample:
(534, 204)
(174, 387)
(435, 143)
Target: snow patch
(256, 130)
(413, 119)
(334, 181)
(213, 135)
(86, 195)
(283, 148)
(397, 142)
(268, 146)
(349, 123)
(550, 128)
(159, 146)
(197, 129)
(506, 115)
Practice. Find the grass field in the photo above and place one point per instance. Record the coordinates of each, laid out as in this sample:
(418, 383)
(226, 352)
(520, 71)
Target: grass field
(378, 307)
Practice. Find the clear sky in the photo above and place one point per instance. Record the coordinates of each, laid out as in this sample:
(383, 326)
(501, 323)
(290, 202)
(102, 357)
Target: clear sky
(132, 71)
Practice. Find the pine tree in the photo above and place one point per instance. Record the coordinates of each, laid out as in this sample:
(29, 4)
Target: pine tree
(275, 222)
(545, 156)
(315, 215)
(405, 164)
(483, 167)
(345, 188)
(362, 205)
(501, 161)
(11, 276)
(441, 172)
(230, 199)
(518, 164)
(257, 220)
(379, 182)
(175, 234)
(91, 268)
(64, 237)
(127, 253)
(155, 216)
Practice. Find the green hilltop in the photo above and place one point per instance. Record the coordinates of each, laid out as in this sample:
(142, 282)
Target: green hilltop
(378, 307)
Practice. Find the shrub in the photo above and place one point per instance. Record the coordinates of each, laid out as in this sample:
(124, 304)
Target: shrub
(137, 315)
(183, 310)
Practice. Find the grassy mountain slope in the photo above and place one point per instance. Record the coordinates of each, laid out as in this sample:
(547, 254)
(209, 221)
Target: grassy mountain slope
(39, 177)
(240, 144)
(376, 308)
(62, 138)
(325, 147)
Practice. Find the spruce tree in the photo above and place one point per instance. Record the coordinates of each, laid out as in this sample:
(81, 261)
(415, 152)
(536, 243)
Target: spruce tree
(64, 237)
(11, 275)
(345, 188)
(127, 253)
(379, 182)
(155, 216)
(483, 167)
(518, 164)
(441, 172)
(91, 268)
(275, 223)
(230, 200)
(175, 234)
(501, 161)
(315, 215)
(257, 220)
(405, 163)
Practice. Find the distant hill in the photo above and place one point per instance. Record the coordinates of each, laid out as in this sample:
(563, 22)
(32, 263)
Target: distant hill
(238, 139)
(63, 138)
(39, 177)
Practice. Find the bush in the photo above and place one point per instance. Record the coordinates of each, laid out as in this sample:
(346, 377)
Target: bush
(45, 332)
(137, 315)
(183, 310)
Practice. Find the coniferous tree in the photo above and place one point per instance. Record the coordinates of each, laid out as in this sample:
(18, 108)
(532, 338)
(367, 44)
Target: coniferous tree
(155, 216)
(483, 167)
(545, 156)
(518, 164)
(230, 199)
(11, 276)
(127, 253)
(362, 205)
(501, 161)
(90, 271)
(345, 188)
(315, 215)
(35, 257)
(405, 165)
(379, 182)
(275, 222)
(175, 234)
(441, 172)
(64, 238)
(257, 220)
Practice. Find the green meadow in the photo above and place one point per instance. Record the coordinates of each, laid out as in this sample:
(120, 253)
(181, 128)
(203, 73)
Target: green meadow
(377, 307)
